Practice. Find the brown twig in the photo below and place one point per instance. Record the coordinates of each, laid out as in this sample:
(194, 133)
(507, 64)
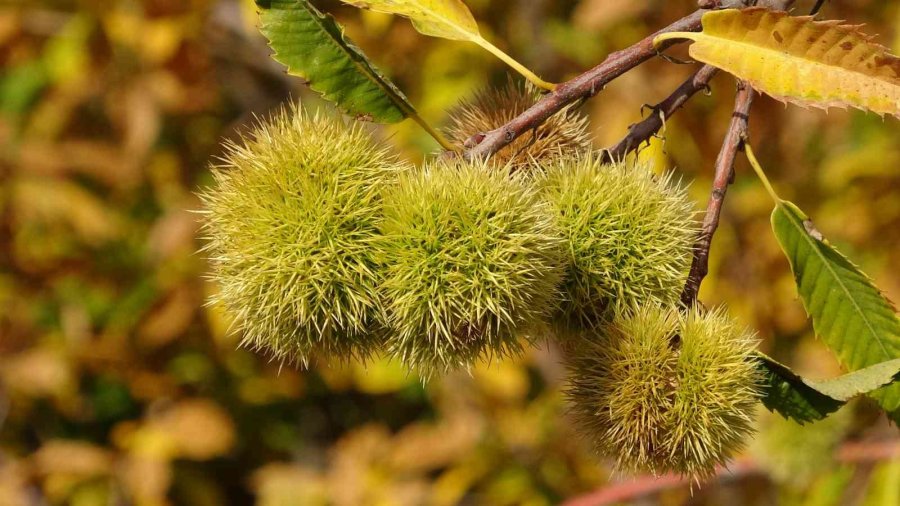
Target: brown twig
(640, 133)
(816, 8)
(642, 487)
(650, 485)
(588, 84)
(483, 145)
(724, 176)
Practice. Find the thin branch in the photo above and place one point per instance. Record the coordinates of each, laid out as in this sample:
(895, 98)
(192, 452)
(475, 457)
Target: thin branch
(816, 8)
(859, 453)
(483, 145)
(724, 176)
(588, 84)
(648, 486)
(640, 133)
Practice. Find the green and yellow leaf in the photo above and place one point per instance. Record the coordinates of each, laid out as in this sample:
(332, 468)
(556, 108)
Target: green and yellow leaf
(799, 60)
(803, 400)
(447, 19)
(848, 311)
(312, 45)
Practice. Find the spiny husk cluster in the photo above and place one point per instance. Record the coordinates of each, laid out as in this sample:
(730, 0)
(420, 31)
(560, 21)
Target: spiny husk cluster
(290, 225)
(323, 244)
(473, 259)
(629, 235)
(564, 133)
(660, 390)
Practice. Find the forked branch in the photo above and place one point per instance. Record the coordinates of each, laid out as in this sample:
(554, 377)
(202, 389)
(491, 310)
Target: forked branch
(640, 133)
(588, 84)
(724, 176)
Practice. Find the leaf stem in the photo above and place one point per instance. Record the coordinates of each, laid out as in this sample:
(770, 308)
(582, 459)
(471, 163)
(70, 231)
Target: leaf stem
(751, 156)
(518, 67)
(431, 131)
(659, 39)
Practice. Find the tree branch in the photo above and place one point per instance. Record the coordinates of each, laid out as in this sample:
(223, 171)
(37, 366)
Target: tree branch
(588, 84)
(816, 8)
(859, 453)
(724, 176)
(483, 145)
(640, 133)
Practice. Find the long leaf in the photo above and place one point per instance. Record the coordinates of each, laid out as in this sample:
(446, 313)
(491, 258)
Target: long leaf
(859, 382)
(798, 59)
(447, 19)
(786, 393)
(313, 46)
(804, 401)
(848, 311)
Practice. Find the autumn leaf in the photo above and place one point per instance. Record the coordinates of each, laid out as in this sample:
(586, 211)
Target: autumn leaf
(799, 60)
(313, 46)
(447, 19)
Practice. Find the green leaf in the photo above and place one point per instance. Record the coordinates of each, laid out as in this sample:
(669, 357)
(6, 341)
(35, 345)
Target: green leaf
(787, 394)
(312, 45)
(848, 311)
(859, 382)
(804, 400)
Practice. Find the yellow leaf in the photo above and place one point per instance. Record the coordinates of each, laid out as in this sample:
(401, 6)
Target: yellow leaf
(15, 483)
(38, 372)
(799, 60)
(281, 484)
(447, 19)
(199, 429)
(72, 457)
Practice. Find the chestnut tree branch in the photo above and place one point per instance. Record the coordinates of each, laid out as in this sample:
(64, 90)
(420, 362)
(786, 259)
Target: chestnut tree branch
(640, 133)
(816, 8)
(724, 176)
(588, 84)
(485, 144)
(858, 453)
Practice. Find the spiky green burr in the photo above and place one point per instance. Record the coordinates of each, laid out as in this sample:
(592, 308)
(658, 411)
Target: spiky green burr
(629, 235)
(290, 225)
(562, 134)
(661, 391)
(472, 261)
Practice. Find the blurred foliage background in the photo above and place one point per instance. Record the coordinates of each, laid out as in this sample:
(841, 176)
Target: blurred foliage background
(119, 386)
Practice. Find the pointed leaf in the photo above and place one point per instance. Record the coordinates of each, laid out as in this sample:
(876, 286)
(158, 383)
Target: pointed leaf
(447, 19)
(804, 400)
(798, 59)
(848, 312)
(786, 393)
(859, 382)
(313, 46)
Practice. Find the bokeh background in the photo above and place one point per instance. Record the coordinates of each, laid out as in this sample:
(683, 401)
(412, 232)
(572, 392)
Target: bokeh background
(119, 386)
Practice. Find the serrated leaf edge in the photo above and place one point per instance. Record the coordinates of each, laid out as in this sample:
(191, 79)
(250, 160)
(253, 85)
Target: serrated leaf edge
(357, 57)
